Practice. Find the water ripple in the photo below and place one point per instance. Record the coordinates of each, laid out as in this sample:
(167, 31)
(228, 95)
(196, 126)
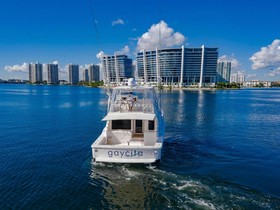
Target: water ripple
(162, 189)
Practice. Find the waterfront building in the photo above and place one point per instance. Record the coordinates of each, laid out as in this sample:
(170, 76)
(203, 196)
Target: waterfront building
(52, 72)
(223, 71)
(237, 77)
(73, 73)
(116, 68)
(256, 83)
(94, 75)
(179, 66)
(15, 81)
(63, 82)
(35, 72)
(134, 70)
(85, 75)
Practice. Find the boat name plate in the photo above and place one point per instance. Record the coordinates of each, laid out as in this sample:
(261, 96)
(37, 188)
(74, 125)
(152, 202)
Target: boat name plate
(125, 153)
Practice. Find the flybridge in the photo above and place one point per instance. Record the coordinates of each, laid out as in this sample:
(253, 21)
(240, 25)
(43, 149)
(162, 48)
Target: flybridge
(131, 99)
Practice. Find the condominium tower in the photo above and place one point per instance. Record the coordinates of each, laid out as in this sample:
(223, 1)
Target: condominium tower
(223, 71)
(52, 71)
(73, 73)
(94, 75)
(181, 66)
(35, 72)
(238, 77)
(85, 75)
(116, 68)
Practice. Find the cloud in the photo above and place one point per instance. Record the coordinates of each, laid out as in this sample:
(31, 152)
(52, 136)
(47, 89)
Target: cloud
(169, 38)
(235, 64)
(133, 39)
(124, 50)
(100, 55)
(17, 68)
(251, 76)
(55, 62)
(274, 72)
(118, 22)
(82, 67)
(267, 57)
(63, 70)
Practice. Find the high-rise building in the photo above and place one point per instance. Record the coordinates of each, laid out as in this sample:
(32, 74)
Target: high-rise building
(223, 71)
(238, 77)
(134, 70)
(116, 68)
(85, 75)
(73, 71)
(35, 72)
(182, 66)
(94, 75)
(52, 71)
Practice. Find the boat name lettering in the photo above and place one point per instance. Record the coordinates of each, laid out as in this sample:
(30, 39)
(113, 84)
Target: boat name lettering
(126, 153)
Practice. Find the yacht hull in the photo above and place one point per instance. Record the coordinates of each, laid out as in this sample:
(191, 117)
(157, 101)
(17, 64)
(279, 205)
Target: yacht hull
(133, 152)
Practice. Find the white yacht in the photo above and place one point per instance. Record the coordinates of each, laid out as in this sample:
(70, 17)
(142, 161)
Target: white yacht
(134, 130)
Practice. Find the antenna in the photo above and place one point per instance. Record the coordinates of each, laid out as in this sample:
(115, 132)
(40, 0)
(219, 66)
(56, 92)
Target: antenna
(105, 78)
(159, 28)
(158, 52)
(94, 22)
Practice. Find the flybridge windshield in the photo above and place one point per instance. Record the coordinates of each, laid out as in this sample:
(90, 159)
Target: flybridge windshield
(145, 94)
(140, 94)
(134, 99)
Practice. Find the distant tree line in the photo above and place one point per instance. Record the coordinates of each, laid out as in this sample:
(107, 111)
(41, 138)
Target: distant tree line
(91, 84)
(260, 85)
(81, 83)
(227, 85)
(275, 84)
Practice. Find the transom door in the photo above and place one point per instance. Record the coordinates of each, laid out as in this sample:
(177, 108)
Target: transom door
(138, 126)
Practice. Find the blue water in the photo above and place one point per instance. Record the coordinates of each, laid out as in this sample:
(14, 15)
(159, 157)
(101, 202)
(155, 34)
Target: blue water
(221, 151)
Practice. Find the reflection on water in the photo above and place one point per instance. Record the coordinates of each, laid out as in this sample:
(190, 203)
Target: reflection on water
(141, 187)
(65, 105)
(199, 111)
(123, 187)
(180, 115)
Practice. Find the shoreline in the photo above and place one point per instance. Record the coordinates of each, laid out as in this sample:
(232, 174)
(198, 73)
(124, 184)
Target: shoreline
(163, 88)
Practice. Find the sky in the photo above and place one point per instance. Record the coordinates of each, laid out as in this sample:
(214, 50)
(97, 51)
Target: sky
(246, 32)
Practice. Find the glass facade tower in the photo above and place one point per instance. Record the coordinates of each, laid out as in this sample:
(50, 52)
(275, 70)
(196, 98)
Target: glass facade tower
(73, 73)
(179, 66)
(116, 68)
(52, 71)
(94, 75)
(223, 71)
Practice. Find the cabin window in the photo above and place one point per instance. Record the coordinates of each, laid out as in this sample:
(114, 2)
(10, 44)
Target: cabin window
(151, 125)
(121, 124)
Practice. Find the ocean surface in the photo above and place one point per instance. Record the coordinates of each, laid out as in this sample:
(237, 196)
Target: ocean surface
(221, 151)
